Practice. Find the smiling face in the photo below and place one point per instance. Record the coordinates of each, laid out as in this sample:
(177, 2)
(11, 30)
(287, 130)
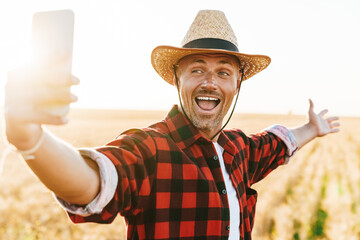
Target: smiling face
(208, 84)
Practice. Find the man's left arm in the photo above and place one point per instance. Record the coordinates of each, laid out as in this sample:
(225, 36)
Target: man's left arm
(317, 126)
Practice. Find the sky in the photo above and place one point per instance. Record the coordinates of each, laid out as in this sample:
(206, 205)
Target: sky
(313, 44)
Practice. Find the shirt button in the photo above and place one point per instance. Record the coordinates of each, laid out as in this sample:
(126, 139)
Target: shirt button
(215, 158)
(223, 191)
(228, 227)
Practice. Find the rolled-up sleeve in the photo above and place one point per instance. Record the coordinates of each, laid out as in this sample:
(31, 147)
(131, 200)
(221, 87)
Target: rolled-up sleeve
(287, 137)
(109, 181)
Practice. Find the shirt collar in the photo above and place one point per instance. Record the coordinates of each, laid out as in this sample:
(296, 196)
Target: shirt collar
(183, 132)
(181, 129)
(226, 142)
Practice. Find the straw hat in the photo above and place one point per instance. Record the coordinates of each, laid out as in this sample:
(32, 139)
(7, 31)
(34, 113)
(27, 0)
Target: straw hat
(209, 33)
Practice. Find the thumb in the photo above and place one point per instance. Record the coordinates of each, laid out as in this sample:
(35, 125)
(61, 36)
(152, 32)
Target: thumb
(311, 105)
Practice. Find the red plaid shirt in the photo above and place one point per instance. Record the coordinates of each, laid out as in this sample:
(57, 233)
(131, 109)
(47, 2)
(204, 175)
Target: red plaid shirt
(170, 182)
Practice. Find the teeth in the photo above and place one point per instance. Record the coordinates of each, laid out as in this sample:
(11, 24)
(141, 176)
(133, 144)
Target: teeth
(207, 98)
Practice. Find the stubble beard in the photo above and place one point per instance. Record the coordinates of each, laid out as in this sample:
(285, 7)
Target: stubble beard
(205, 123)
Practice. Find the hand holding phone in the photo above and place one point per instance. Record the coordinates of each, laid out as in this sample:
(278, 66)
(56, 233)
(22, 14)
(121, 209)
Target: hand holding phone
(52, 38)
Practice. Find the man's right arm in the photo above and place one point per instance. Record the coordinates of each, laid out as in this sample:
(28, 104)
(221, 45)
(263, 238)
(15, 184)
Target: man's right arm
(57, 164)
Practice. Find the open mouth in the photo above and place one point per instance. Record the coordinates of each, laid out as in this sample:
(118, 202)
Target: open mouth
(207, 103)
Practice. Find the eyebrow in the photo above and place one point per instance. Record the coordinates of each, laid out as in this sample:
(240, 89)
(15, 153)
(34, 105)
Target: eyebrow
(226, 62)
(198, 61)
(220, 62)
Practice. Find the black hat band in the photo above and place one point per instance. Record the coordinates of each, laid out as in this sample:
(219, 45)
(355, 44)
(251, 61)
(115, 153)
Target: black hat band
(212, 43)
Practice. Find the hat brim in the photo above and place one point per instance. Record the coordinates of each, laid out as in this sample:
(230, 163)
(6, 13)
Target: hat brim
(163, 58)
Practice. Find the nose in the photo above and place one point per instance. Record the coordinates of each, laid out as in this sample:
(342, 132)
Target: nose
(209, 82)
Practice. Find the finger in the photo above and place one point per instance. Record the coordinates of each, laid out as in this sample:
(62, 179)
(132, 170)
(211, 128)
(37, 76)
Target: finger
(55, 79)
(23, 108)
(60, 79)
(335, 130)
(331, 119)
(55, 74)
(75, 80)
(311, 105)
(37, 97)
(335, 125)
(55, 100)
(323, 112)
(31, 115)
(47, 95)
(28, 77)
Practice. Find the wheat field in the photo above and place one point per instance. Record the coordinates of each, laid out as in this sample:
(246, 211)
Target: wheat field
(315, 196)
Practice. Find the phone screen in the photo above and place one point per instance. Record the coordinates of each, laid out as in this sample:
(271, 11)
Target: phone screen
(52, 41)
(52, 36)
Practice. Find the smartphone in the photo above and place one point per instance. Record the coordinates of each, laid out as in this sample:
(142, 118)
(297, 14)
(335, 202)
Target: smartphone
(52, 46)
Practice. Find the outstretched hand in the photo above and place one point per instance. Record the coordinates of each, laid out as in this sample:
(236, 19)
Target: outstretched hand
(30, 95)
(322, 125)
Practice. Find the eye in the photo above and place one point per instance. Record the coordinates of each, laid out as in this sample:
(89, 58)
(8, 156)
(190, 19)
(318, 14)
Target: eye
(196, 71)
(225, 74)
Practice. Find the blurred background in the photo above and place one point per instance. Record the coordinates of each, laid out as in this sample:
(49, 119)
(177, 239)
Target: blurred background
(314, 46)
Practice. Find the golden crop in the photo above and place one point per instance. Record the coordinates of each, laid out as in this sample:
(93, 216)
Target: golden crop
(315, 196)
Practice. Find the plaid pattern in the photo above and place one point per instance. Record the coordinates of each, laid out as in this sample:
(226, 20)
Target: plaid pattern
(171, 185)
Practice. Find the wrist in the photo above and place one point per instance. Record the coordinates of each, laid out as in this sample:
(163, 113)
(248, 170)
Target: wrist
(311, 130)
(24, 136)
(29, 153)
(304, 134)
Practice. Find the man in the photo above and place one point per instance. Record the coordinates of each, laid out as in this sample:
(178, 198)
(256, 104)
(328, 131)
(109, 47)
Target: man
(184, 177)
